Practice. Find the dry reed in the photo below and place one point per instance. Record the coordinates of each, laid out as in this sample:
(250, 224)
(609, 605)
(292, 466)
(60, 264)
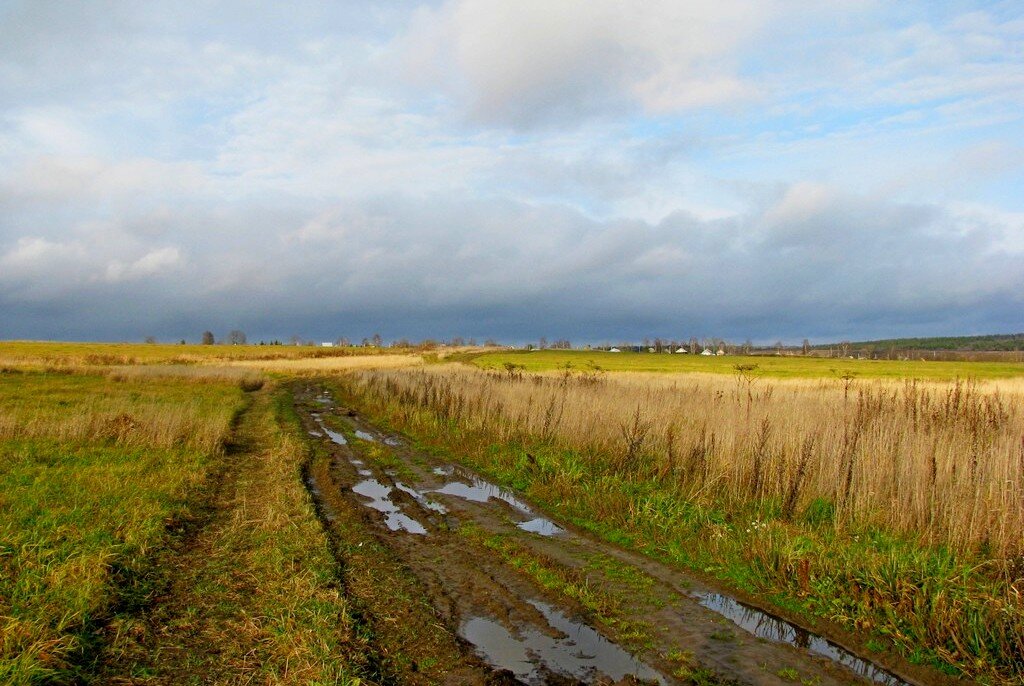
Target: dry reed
(943, 462)
(319, 365)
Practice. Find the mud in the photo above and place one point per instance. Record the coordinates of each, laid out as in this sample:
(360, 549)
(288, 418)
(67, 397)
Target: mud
(525, 631)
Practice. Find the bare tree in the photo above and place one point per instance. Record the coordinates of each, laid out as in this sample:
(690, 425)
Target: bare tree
(151, 339)
(806, 347)
(207, 338)
(236, 337)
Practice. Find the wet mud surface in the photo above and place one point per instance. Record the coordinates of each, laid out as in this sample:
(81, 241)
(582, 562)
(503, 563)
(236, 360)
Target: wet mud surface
(419, 508)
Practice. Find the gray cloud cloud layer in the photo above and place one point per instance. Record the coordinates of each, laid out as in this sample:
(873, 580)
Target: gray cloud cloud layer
(510, 169)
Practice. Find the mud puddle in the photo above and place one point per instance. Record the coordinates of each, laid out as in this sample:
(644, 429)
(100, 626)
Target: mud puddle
(421, 498)
(778, 630)
(575, 651)
(474, 489)
(335, 436)
(544, 527)
(314, 490)
(380, 500)
(509, 620)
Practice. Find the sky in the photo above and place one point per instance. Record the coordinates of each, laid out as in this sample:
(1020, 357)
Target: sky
(597, 170)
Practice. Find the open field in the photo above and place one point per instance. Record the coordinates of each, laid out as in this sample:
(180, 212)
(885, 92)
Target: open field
(328, 365)
(893, 510)
(56, 354)
(778, 367)
(162, 517)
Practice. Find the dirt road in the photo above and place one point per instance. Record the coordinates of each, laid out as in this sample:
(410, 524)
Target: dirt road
(464, 582)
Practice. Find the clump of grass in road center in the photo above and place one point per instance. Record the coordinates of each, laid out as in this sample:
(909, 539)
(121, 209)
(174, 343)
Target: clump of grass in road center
(603, 605)
(91, 472)
(893, 509)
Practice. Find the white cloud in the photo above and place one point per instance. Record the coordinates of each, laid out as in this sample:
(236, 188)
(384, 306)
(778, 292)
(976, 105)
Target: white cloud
(524, 63)
(152, 263)
(522, 163)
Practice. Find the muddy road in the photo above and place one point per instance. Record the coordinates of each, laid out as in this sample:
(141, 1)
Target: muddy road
(461, 581)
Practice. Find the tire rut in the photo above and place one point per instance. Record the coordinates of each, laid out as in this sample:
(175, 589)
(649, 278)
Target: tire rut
(687, 639)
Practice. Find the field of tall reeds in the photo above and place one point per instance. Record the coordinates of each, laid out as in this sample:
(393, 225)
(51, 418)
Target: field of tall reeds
(893, 508)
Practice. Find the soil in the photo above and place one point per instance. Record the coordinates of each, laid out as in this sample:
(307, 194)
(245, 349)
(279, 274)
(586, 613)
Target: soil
(476, 618)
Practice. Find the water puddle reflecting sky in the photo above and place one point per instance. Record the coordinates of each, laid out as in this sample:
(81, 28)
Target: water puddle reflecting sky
(421, 499)
(335, 436)
(778, 630)
(480, 491)
(544, 527)
(579, 651)
(380, 500)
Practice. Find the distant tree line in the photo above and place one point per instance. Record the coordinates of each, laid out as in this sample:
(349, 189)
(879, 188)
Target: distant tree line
(987, 343)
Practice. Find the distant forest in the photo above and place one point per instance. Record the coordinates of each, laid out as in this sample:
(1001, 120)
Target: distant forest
(990, 343)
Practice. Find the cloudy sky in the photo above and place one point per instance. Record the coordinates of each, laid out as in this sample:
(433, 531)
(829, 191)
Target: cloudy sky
(593, 169)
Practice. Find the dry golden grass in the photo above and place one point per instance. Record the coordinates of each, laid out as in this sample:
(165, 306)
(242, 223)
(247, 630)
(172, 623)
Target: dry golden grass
(940, 461)
(323, 365)
(181, 372)
(258, 582)
(162, 411)
(37, 354)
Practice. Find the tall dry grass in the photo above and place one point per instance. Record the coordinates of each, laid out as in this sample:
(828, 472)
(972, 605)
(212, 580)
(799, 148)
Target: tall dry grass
(943, 462)
(320, 365)
(160, 411)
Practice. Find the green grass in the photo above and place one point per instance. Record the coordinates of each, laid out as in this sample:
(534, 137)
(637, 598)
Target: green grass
(132, 540)
(79, 519)
(779, 367)
(602, 605)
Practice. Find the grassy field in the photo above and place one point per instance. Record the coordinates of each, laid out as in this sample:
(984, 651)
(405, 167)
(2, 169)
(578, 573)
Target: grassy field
(91, 470)
(777, 367)
(114, 488)
(894, 509)
(151, 504)
(56, 354)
